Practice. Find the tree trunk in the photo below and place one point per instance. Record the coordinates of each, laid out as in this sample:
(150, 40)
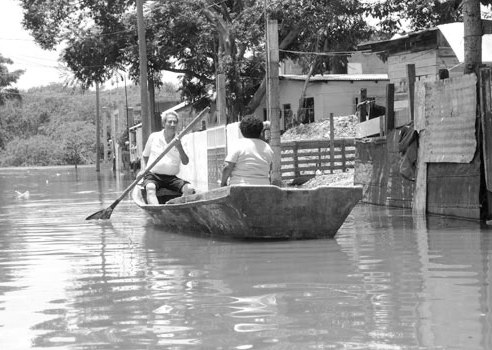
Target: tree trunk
(473, 35)
(301, 112)
(260, 93)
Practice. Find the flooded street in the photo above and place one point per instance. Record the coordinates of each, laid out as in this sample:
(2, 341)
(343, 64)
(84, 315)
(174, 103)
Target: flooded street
(387, 281)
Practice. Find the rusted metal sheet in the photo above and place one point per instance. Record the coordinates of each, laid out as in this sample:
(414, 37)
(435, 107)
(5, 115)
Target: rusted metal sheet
(450, 116)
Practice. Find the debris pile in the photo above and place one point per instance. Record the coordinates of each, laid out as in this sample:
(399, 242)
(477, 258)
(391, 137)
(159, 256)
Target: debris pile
(344, 127)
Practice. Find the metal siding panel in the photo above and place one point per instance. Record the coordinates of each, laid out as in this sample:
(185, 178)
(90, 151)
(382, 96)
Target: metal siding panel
(454, 189)
(450, 116)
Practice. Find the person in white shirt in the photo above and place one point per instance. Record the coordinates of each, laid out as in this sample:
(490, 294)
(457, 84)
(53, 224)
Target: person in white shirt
(163, 174)
(250, 160)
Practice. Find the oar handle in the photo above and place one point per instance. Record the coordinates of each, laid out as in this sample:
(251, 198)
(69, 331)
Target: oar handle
(170, 145)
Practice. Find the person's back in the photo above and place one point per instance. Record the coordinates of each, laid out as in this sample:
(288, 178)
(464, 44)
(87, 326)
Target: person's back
(249, 161)
(253, 158)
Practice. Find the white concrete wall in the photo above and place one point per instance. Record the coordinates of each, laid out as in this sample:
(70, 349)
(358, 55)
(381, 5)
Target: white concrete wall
(196, 171)
(197, 145)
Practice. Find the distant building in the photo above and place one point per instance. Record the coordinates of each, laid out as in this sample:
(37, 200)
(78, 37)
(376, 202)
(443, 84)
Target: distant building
(431, 51)
(325, 94)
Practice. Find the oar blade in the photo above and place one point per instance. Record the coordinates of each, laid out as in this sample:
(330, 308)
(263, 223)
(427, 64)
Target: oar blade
(104, 214)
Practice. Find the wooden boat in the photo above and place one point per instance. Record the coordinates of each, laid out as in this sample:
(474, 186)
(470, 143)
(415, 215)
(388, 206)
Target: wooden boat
(256, 212)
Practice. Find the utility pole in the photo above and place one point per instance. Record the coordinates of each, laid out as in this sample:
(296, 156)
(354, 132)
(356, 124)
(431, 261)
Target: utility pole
(273, 98)
(142, 54)
(126, 110)
(98, 131)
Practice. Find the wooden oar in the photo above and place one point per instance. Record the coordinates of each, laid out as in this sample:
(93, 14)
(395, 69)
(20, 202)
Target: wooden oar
(106, 213)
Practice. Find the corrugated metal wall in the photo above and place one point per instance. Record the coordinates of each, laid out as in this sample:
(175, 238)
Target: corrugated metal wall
(448, 115)
(450, 118)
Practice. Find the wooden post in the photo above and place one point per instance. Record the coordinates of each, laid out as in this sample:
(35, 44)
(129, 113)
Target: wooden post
(104, 116)
(363, 109)
(295, 156)
(332, 143)
(273, 98)
(486, 116)
(344, 156)
(411, 90)
(142, 56)
(419, 201)
(98, 131)
(390, 107)
(485, 82)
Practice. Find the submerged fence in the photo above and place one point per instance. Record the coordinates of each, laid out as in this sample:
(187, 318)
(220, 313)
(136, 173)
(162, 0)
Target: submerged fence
(305, 158)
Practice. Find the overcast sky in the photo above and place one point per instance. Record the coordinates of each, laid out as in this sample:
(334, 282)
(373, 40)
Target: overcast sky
(16, 44)
(40, 66)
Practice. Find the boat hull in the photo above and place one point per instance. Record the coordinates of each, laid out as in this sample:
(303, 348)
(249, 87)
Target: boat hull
(257, 212)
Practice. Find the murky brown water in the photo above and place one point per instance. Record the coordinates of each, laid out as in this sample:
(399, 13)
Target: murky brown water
(388, 280)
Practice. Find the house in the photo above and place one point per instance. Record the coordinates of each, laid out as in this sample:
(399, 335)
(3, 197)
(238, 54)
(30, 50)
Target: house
(325, 94)
(434, 97)
(434, 50)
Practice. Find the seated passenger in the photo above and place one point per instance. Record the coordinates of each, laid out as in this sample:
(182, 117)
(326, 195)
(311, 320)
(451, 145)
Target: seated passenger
(250, 160)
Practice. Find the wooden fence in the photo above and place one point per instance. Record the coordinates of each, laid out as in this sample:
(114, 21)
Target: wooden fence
(304, 158)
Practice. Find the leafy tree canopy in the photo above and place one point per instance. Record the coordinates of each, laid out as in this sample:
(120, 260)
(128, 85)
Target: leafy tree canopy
(196, 38)
(6, 79)
(394, 15)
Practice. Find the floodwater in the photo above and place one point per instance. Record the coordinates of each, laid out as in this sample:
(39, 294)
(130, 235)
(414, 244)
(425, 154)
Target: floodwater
(387, 281)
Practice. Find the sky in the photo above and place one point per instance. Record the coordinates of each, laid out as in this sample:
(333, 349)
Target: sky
(15, 43)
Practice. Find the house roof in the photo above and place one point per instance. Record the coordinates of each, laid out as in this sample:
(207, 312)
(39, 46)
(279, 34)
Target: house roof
(337, 77)
(452, 32)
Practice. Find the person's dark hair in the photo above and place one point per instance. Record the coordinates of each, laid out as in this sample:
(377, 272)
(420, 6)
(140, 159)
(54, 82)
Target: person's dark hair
(251, 127)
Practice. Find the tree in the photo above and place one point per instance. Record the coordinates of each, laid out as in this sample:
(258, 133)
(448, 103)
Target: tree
(397, 15)
(6, 79)
(197, 38)
(77, 142)
(37, 150)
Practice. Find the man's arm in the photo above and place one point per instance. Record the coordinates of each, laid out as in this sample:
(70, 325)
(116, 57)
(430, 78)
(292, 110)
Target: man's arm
(226, 173)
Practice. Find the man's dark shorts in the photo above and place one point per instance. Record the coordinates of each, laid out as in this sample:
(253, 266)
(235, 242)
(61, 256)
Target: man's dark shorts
(171, 182)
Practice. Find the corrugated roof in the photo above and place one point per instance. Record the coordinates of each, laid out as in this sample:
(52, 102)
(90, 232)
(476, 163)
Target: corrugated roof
(454, 34)
(337, 77)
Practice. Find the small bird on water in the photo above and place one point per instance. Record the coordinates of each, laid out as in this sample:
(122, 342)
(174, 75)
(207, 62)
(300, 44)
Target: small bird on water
(20, 195)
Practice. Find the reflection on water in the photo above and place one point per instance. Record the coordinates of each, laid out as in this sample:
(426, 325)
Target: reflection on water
(388, 280)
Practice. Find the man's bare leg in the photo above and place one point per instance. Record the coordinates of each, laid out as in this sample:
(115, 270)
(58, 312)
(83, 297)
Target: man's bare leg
(151, 194)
